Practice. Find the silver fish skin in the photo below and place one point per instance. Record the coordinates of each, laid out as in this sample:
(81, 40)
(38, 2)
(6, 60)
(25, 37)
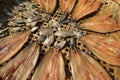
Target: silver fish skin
(46, 31)
(64, 33)
(49, 40)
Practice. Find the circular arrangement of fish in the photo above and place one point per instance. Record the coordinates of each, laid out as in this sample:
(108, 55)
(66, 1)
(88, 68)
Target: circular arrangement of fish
(59, 40)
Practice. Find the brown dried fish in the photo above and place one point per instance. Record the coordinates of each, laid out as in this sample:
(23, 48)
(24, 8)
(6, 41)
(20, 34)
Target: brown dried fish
(67, 5)
(25, 69)
(84, 67)
(51, 67)
(106, 49)
(84, 7)
(10, 45)
(118, 1)
(100, 23)
(22, 59)
(48, 5)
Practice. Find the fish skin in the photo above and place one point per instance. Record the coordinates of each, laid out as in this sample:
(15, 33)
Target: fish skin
(101, 23)
(13, 64)
(25, 69)
(46, 31)
(67, 5)
(83, 8)
(51, 67)
(65, 33)
(106, 49)
(48, 5)
(10, 45)
(84, 67)
(49, 40)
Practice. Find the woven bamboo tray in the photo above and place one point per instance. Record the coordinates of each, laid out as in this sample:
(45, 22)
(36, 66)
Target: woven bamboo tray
(108, 6)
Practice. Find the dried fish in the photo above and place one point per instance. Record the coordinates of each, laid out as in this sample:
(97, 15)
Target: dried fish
(41, 38)
(54, 24)
(13, 24)
(64, 33)
(118, 1)
(101, 23)
(67, 5)
(7, 12)
(49, 40)
(48, 5)
(73, 24)
(33, 18)
(84, 7)
(46, 31)
(14, 11)
(15, 29)
(84, 67)
(51, 67)
(106, 49)
(1, 25)
(10, 45)
(31, 51)
(78, 34)
(16, 2)
(18, 20)
(31, 24)
(3, 30)
(34, 28)
(3, 35)
(25, 69)
(3, 19)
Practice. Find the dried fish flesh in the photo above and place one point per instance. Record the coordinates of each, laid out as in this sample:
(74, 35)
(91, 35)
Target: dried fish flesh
(25, 69)
(64, 33)
(67, 5)
(51, 67)
(83, 67)
(31, 51)
(10, 45)
(85, 7)
(101, 23)
(48, 5)
(106, 49)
